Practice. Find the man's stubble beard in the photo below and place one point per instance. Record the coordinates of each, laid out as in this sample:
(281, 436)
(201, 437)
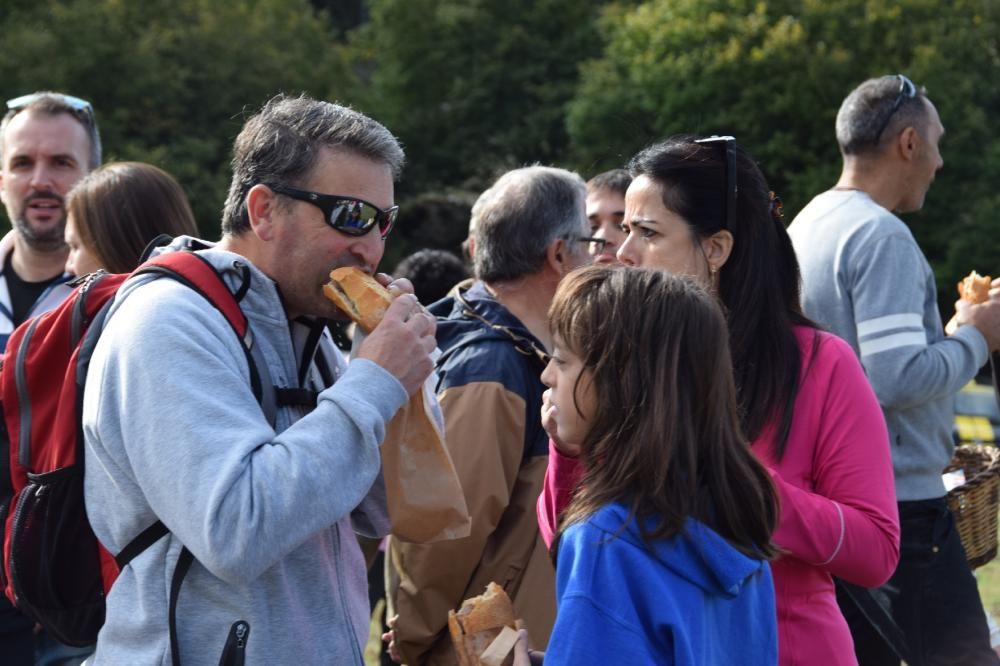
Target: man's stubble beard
(49, 241)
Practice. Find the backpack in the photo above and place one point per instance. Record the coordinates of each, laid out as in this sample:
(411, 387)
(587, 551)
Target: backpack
(54, 569)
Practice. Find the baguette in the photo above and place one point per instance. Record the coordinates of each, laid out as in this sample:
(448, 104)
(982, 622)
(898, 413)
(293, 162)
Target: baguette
(478, 622)
(975, 288)
(358, 295)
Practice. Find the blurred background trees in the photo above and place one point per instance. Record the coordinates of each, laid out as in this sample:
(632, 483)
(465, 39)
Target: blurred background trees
(474, 87)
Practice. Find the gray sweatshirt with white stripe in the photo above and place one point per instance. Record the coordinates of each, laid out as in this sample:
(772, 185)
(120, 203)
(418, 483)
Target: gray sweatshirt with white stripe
(866, 280)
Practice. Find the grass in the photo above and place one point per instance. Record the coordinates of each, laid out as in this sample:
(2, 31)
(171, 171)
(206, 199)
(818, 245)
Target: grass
(988, 576)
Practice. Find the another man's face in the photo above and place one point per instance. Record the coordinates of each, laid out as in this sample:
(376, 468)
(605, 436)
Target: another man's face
(605, 212)
(305, 249)
(43, 158)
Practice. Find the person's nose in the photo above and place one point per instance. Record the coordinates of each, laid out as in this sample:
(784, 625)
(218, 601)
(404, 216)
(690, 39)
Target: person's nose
(42, 178)
(369, 248)
(547, 374)
(626, 252)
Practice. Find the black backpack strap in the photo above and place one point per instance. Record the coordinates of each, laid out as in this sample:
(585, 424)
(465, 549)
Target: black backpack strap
(160, 241)
(144, 540)
(296, 397)
(180, 570)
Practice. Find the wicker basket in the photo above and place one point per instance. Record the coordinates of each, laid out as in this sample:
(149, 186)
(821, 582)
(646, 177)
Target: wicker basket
(974, 503)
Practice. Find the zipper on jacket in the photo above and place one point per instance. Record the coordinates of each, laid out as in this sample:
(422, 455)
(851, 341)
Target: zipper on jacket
(234, 651)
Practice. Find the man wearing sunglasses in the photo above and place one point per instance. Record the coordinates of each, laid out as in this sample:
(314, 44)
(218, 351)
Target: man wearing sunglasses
(48, 142)
(266, 507)
(866, 279)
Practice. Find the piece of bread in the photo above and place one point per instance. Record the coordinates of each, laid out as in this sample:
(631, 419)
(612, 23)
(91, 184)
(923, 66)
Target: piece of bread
(478, 622)
(975, 288)
(358, 295)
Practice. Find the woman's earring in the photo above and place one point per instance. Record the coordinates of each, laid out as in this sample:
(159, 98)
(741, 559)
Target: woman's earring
(713, 272)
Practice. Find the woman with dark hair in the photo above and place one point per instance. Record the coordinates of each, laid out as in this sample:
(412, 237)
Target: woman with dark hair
(115, 211)
(701, 207)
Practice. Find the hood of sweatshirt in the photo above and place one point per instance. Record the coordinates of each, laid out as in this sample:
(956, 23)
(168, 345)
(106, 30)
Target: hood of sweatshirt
(699, 554)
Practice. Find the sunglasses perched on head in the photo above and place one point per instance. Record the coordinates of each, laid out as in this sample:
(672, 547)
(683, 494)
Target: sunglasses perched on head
(78, 105)
(906, 91)
(348, 215)
(732, 186)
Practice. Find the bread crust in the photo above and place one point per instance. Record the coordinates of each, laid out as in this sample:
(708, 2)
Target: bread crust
(975, 288)
(478, 622)
(358, 295)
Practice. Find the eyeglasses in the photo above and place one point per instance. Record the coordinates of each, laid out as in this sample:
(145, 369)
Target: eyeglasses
(348, 215)
(732, 185)
(597, 245)
(906, 91)
(75, 103)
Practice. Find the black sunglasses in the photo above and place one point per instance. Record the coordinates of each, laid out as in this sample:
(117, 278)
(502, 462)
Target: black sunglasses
(597, 245)
(348, 215)
(906, 91)
(732, 185)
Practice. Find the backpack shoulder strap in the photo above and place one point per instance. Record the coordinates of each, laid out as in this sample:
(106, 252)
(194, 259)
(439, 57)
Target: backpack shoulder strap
(195, 272)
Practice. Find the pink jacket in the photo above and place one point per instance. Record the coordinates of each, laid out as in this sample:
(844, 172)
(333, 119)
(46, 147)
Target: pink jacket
(838, 504)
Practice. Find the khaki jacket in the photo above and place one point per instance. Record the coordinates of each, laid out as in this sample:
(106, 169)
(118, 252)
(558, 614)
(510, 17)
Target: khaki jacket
(490, 393)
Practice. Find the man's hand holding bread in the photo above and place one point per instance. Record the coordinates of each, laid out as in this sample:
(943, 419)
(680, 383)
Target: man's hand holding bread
(400, 332)
(979, 305)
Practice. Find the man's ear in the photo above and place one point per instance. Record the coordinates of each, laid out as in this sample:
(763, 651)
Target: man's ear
(558, 257)
(908, 143)
(717, 249)
(261, 205)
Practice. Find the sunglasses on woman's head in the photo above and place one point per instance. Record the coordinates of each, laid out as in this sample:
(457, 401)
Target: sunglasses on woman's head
(732, 184)
(348, 215)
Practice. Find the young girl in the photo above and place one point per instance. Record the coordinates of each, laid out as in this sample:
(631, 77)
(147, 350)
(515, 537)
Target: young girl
(701, 208)
(661, 555)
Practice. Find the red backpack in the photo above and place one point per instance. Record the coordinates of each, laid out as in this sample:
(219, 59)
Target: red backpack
(54, 570)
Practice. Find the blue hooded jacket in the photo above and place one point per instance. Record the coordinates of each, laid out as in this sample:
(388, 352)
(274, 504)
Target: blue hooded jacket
(691, 599)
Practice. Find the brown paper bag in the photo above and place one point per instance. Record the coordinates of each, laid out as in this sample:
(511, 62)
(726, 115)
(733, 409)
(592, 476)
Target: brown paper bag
(426, 502)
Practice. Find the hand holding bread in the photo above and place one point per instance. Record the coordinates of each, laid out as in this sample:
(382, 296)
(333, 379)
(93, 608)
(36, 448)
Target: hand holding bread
(484, 631)
(974, 288)
(400, 333)
(978, 308)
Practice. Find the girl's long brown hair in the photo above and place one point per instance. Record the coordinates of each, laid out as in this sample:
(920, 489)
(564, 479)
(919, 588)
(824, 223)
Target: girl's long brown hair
(666, 439)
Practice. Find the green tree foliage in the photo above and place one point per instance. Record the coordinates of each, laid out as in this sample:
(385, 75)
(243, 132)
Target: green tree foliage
(474, 87)
(773, 73)
(173, 80)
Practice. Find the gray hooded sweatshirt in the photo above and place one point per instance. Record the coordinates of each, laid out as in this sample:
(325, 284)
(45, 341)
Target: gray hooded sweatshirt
(174, 433)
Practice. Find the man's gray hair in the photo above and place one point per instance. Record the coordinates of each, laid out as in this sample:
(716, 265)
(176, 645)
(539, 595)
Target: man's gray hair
(869, 108)
(52, 104)
(519, 217)
(282, 142)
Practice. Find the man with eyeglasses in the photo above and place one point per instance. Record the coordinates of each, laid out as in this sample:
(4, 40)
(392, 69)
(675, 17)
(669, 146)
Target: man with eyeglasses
(531, 230)
(48, 142)
(605, 212)
(866, 279)
(260, 563)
